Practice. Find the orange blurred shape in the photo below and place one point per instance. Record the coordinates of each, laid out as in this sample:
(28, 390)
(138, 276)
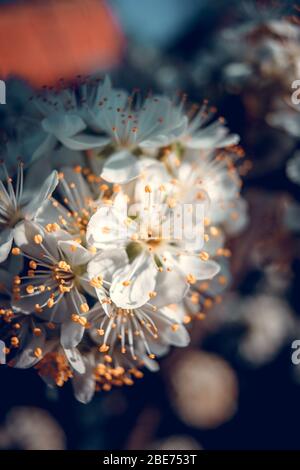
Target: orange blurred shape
(42, 41)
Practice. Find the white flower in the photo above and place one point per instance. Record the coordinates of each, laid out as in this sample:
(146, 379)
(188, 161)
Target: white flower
(204, 133)
(158, 238)
(203, 294)
(136, 129)
(112, 273)
(212, 175)
(102, 116)
(64, 115)
(110, 119)
(33, 341)
(18, 203)
(147, 329)
(55, 283)
(80, 192)
(103, 371)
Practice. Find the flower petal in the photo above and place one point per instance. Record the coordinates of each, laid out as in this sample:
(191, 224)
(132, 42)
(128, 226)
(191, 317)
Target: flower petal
(131, 286)
(75, 359)
(6, 238)
(109, 225)
(171, 288)
(106, 263)
(75, 253)
(121, 167)
(201, 270)
(27, 358)
(84, 386)
(45, 192)
(71, 334)
(84, 141)
(167, 333)
(63, 125)
(24, 234)
(47, 144)
(213, 136)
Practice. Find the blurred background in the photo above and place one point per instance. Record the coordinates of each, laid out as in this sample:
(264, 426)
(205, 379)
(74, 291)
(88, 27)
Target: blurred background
(235, 387)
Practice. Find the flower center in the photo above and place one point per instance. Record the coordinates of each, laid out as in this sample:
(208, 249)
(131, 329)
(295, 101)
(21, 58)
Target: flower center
(64, 276)
(107, 374)
(55, 366)
(15, 217)
(154, 243)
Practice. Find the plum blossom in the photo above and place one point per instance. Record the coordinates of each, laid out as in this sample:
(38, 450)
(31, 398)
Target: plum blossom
(55, 283)
(149, 321)
(135, 130)
(152, 238)
(124, 244)
(17, 203)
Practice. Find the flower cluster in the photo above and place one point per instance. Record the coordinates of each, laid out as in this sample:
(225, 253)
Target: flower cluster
(257, 58)
(108, 261)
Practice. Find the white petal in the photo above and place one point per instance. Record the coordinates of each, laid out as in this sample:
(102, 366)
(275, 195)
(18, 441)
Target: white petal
(140, 276)
(216, 241)
(109, 225)
(235, 225)
(75, 359)
(215, 135)
(63, 125)
(37, 173)
(179, 338)
(83, 192)
(75, 253)
(84, 386)
(45, 192)
(171, 287)
(47, 144)
(27, 303)
(160, 122)
(27, 358)
(106, 263)
(84, 141)
(121, 167)
(216, 287)
(59, 313)
(169, 335)
(153, 174)
(84, 285)
(196, 267)
(48, 214)
(71, 334)
(6, 238)
(24, 234)
(152, 365)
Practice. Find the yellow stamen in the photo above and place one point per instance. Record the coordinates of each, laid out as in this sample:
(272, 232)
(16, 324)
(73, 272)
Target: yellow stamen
(84, 308)
(38, 239)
